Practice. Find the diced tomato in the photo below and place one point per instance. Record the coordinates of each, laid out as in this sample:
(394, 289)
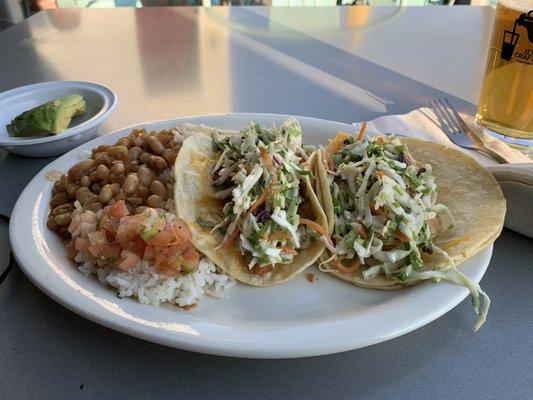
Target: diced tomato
(120, 239)
(182, 230)
(128, 260)
(98, 241)
(128, 230)
(111, 216)
(112, 251)
(82, 244)
(190, 258)
(163, 238)
(118, 210)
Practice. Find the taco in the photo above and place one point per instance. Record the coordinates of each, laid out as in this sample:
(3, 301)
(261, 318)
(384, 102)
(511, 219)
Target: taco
(249, 202)
(403, 210)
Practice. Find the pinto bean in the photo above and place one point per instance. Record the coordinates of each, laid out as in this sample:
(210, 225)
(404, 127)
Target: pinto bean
(135, 152)
(63, 219)
(145, 176)
(155, 145)
(140, 209)
(85, 181)
(125, 141)
(115, 151)
(155, 201)
(96, 187)
(170, 156)
(58, 199)
(63, 208)
(85, 196)
(81, 168)
(157, 163)
(159, 189)
(72, 188)
(144, 158)
(94, 206)
(130, 183)
(102, 172)
(117, 168)
(106, 194)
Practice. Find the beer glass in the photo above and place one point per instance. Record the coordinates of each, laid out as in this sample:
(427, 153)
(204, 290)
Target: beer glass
(506, 102)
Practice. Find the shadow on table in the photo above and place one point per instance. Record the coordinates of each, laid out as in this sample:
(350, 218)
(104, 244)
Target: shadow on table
(315, 68)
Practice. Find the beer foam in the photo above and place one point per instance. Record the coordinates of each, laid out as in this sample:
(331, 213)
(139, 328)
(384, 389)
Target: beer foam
(523, 6)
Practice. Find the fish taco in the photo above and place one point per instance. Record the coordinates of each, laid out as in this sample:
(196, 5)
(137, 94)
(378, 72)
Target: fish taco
(404, 210)
(249, 201)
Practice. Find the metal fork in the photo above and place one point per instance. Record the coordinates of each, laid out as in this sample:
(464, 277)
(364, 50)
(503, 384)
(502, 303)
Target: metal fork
(456, 129)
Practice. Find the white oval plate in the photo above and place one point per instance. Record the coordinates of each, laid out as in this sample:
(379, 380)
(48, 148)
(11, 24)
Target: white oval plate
(295, 319)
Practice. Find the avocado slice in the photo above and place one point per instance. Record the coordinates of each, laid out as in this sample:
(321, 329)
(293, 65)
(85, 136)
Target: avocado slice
(52, 117)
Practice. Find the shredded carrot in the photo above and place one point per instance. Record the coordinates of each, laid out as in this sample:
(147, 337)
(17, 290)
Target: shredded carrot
(314, 226)
(289, 250)
(379, 211)
(331, 165)
(267, 158)
(401, 236)
(263, 197)
(347, 270)
(361, 133)
(280, 235)
(362, 232)
(317, 228)
(231, 238)
(380, 174)
(260, 200)
(336, 143)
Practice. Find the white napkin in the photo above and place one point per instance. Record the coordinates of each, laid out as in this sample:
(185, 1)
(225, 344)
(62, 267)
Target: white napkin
(516, 180)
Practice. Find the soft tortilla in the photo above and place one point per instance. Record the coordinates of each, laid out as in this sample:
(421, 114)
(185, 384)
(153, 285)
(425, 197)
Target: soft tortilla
(470, 192)
(194, 198)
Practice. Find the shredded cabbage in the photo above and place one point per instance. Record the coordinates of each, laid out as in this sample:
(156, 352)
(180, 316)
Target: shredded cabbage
(384, 204)
(261, 170)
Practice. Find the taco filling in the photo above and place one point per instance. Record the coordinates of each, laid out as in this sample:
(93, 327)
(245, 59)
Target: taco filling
(386, 215)
(258, 175)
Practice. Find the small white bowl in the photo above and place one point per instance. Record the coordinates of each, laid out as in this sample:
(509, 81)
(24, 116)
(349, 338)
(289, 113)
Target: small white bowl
(101, 101)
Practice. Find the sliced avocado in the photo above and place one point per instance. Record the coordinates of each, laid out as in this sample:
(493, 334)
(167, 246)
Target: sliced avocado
(52, 117)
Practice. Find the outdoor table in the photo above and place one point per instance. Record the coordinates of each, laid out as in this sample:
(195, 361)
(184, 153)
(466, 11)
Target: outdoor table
(342, 63)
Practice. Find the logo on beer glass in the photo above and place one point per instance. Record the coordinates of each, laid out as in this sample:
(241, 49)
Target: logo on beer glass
(510, 38)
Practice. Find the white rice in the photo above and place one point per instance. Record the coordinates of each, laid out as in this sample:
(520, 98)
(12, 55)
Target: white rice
(150, 287)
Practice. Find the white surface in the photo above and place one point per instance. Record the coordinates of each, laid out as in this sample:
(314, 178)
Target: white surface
(290, 320)
(101, 101)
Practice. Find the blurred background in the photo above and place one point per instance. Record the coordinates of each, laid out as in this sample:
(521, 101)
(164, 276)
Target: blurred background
(13, 11)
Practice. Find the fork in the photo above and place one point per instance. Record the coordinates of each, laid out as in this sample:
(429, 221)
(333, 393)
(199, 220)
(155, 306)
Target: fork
(453, 125)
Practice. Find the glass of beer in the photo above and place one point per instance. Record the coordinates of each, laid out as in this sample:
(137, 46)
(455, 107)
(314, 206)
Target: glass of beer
(506, 102)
